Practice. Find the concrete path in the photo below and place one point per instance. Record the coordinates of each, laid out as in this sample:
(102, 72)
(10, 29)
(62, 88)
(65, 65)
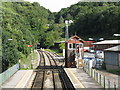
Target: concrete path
(18, 80)
(21, 77)
(76, 83)
(83, 77)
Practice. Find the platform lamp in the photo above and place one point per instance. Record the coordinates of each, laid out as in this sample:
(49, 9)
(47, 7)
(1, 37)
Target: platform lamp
(66, 31)
(4, 58)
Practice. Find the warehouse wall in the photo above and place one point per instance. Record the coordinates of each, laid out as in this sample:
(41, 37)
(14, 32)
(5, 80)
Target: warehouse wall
(111, 60)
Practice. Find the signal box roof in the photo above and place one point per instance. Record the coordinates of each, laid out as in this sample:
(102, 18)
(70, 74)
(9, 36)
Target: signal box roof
(75, 39)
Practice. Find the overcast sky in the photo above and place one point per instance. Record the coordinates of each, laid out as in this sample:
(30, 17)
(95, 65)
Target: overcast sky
(55, 5)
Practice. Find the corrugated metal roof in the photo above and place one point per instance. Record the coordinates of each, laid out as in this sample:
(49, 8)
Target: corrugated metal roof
(108, 42)
(116, 48)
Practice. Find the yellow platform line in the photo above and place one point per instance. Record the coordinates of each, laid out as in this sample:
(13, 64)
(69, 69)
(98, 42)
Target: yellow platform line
(74, 79)
(23, 81)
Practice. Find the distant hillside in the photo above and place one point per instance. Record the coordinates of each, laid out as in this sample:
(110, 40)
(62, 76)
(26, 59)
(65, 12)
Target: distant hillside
(92, 19)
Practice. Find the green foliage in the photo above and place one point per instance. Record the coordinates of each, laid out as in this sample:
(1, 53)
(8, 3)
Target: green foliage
(21, 21)
(26, 61)
(62, 46)
(26, 21)
(61, 20)
(53, 34)
(69, 17)
(114, 71)
(93, 19)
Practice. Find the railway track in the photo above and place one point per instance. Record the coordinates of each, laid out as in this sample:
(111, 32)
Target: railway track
(49, 75)
(60, 61)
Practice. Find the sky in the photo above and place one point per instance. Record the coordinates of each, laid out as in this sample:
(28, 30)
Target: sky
(55, 5)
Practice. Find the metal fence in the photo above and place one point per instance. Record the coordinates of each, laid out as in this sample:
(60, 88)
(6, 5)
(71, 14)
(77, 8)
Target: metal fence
(8, 73)
(100, 78)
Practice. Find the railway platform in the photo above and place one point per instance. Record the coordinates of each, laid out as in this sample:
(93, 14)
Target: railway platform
(81, 79)
(18, 80)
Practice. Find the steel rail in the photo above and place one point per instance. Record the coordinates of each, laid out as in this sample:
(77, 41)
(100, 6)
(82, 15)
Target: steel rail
(55, 54)
(52, 70)
(63, 78)
(33, 84)
(38, 73)
(43, 72)
(64, 83)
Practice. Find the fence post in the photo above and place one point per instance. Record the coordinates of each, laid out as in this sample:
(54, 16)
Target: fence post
(100, 79)
(114, 86)
(97, 77)
(104, 82)
(88, 68)
(91, 72)
(109, 84)
(94, 74)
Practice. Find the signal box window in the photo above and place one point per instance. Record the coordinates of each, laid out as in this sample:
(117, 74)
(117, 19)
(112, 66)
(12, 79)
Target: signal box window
(80, 45)
(70, 45)
(73, 45)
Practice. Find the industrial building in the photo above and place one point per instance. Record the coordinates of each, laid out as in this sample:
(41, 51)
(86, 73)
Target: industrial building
(112, 58)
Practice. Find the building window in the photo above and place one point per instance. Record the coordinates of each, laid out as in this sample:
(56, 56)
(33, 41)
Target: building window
(70, 45)
(80, 45)
(73, 45)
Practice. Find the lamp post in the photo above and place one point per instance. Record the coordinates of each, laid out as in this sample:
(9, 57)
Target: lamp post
(4, 58)
(66, 32)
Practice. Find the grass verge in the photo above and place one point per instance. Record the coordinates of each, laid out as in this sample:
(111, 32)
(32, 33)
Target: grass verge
(26, 61)
(114, 71)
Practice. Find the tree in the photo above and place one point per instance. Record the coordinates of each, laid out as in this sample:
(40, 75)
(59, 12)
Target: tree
(68, 16)
(61, 20)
